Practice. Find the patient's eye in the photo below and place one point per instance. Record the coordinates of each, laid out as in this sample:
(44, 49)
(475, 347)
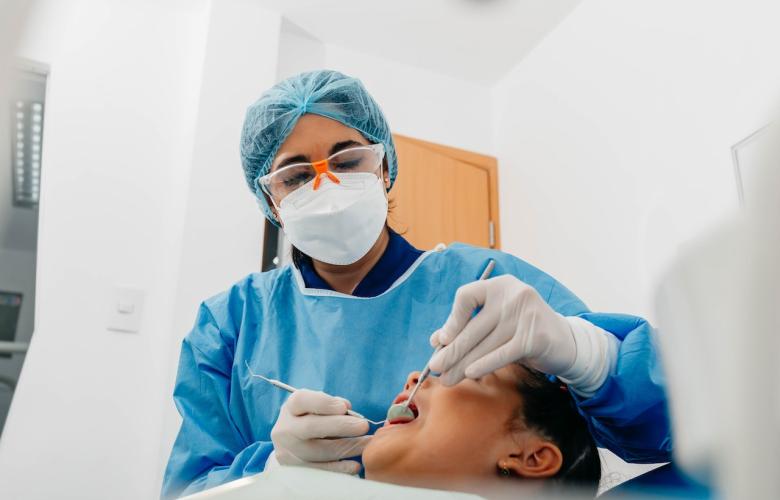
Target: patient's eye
(486, 379)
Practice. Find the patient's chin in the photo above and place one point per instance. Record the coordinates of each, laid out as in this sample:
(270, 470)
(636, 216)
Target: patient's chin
(383, 459)
(374, 459)
(386, 450)
(390, 461)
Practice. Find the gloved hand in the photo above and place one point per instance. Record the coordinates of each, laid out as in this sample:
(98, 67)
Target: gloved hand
(516, 325)
(313, 430)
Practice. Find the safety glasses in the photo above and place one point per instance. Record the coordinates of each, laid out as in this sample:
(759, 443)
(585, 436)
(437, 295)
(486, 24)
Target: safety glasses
(366, 159)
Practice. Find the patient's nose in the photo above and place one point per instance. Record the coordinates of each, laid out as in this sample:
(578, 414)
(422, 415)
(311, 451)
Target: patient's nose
(411, 381)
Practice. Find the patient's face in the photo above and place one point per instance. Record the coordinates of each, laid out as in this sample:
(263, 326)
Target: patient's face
(459, 431)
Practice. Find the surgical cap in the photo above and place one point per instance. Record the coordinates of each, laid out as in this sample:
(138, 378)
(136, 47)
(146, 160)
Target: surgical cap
(326, 93)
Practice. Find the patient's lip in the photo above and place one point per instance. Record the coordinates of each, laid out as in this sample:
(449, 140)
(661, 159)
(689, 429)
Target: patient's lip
(401, 398)
(403, 420)
(412, 406)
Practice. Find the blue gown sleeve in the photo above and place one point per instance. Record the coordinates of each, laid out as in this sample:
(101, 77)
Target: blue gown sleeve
(629, 414)
(210, 449)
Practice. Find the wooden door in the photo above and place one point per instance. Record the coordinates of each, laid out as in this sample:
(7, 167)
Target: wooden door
(444, 195)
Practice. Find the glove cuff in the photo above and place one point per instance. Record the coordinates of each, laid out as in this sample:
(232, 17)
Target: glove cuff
(596, 357)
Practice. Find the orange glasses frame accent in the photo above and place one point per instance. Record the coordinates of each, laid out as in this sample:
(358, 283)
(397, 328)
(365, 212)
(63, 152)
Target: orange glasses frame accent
(321, 168)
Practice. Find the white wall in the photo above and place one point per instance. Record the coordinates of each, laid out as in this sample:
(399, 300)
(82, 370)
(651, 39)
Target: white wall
(613, 137)
(143, 187)
(420, 103)
(85, 421)
(223, 228)
(299, 51)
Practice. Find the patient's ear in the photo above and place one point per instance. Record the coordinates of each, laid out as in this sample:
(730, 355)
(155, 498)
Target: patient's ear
(534, 458)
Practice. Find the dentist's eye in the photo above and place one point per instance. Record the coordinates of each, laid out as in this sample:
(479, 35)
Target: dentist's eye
(346, 166)
(298, 179)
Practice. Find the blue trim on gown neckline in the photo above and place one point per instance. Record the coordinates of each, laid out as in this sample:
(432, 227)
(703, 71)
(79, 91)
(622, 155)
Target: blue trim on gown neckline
(397, 259)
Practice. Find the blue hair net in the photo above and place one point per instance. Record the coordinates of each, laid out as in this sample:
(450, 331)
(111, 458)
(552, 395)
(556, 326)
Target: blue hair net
(327, 93)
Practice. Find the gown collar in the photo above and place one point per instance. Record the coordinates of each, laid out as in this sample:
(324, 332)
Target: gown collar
(398, 258)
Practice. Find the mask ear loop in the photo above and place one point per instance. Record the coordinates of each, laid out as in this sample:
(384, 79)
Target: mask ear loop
(261, 193)
(321, 168)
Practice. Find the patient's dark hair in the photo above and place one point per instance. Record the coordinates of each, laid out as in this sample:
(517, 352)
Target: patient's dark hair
(549, 410)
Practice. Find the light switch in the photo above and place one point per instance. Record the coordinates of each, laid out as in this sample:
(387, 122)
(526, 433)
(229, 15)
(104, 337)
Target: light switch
(126, 309)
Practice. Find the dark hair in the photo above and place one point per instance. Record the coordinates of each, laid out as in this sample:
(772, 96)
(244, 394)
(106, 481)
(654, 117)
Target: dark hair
(298, 257)
(549, 410)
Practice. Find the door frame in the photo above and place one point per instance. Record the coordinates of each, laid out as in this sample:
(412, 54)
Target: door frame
(487, 163)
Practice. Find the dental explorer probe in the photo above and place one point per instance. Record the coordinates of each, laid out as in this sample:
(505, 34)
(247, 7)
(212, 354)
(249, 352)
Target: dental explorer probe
(402, 409)
(291, 389)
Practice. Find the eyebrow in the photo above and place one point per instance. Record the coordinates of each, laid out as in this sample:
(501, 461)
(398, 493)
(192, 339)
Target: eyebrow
(290, 161)
(343, 145)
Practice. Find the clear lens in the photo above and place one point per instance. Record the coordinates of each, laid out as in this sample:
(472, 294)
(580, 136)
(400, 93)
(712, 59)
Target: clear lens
(354, 160)
(286, 180)
(283, 182)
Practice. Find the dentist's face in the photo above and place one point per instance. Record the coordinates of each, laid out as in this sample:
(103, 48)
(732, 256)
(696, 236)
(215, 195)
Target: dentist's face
(315, 138)
(457, 435)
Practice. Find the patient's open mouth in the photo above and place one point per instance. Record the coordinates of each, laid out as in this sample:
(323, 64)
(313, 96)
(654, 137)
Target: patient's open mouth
(400, 414)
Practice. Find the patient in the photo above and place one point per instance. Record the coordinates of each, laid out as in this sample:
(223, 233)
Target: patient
(489, 436)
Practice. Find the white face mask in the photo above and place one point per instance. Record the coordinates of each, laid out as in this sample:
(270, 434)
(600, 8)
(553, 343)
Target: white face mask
(338, 223)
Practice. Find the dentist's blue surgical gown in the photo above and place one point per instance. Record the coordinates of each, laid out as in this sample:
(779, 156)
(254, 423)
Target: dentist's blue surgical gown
(288, 325)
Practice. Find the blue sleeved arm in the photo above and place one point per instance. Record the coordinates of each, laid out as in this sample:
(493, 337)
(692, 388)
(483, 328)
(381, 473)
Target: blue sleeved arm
(629, 413)
(210, 449)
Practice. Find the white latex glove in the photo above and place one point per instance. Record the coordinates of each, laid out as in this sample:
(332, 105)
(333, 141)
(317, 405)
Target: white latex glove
(516, 325)
(313, 430)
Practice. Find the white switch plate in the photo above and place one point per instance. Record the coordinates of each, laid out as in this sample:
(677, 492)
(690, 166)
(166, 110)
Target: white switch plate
(126, 310)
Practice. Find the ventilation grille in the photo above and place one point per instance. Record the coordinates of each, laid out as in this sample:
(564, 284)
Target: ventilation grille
(27, 142)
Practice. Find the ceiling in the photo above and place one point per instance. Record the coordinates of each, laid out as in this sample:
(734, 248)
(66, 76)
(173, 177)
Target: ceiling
(476, 40)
